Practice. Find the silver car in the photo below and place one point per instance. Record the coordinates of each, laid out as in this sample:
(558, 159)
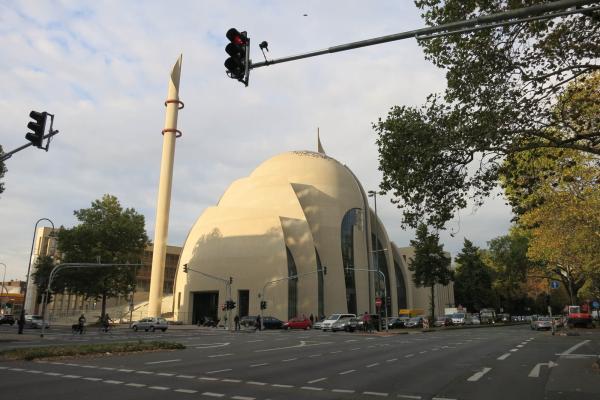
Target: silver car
(541, 323)
(35, 321)
(150, 324)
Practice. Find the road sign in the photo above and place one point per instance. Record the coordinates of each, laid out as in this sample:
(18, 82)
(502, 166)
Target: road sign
(595, 304)
(554, 284)
(378, 302)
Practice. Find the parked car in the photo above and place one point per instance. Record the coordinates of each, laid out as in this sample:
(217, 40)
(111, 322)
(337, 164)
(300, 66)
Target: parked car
(298, 323)
(150, 324)
(343, 324)
(541, 323)
(7, 319)
(396, 323)
(415, 322)
(472, 320)
(272, 323)
(458, 318)
(318, 324)
(443, 320)
(333, 318)
(35, 321)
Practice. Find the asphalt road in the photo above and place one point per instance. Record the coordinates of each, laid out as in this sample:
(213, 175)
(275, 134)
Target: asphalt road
(495, 363)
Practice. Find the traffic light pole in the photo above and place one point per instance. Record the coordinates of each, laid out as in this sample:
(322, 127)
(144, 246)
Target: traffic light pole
(8, 155)
(527, 14)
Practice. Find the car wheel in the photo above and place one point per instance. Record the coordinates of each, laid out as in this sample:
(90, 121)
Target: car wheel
(164, 329)
(306, 328)
(151, 329)
(135, 328)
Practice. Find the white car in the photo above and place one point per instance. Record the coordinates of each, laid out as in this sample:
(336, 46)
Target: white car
(150, 324)
(333, 318)
(35, 321)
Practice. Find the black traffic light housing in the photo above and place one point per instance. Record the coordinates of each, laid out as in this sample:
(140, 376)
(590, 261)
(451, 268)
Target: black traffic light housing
(238, 63)
(230, 304)
(263, 305)
(38, 126)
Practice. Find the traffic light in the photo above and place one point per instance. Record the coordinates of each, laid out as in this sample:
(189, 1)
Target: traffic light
(185, 268)
(230, 304)
(263, 305)
(38, 127)
(238, 63)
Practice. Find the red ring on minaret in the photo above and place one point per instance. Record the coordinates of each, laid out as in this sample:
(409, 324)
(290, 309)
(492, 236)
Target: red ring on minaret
(180, 104)
(177, 132)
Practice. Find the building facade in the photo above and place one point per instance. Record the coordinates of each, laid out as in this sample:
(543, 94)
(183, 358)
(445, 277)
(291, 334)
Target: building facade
(298, 234)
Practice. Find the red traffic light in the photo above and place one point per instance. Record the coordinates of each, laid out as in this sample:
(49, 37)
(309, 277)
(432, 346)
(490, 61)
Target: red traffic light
(238, 63)
(236, 37)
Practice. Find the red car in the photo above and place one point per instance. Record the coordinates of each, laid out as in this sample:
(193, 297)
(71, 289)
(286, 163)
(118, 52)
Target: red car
(298, 323)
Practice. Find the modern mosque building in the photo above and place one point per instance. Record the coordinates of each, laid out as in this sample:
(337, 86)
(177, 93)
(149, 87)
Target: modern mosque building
(298, 234)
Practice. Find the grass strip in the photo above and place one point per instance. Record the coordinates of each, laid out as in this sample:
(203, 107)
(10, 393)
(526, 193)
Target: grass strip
(32, 353)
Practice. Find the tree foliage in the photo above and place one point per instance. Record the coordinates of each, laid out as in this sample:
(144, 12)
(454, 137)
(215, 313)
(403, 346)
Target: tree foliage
(430, 264)
(42, 269)
(106, 233)
(509, 89)
(2, 170)
(472, 279)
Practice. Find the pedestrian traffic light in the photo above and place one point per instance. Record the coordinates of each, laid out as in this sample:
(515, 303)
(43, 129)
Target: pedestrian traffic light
(185, 268)
(38, 126)
(238, 63)
(263, 305)
(230, 304)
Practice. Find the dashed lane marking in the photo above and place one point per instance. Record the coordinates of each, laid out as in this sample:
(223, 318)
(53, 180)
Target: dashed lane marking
(335, 352)
(354, 349)
(113, 382)
(190, 391)
(144, 372)
(476, 376)
(206, 378)
(220, 355)
(347, 372)
(186, 376)
(289, 359)
(242, 398)
(372, 365)
(391, 360)
(164, 374)
(380, 394)
(258, 365)
(231, 380)
(504, 356)
(311, 388)
(137, 385)
(316, 380)
(163, 361)
(342, 391)
(407, 396)
(94, 379)
(409, 355)
(158, 387)
(219, 370)
(513, 350)
(279, 385)
(211, 394)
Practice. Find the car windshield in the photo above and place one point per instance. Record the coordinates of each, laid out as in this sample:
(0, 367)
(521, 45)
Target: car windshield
(334, 316)
(458, 315)
(415, 319)
(544, 319)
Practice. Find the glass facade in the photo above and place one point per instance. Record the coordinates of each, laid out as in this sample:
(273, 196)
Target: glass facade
(400, 287)
(292, 285)
(347, 241)
(380, 260)
(321, 293)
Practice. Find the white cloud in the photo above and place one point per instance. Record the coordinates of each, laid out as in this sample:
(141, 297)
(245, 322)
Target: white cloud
(102, 68)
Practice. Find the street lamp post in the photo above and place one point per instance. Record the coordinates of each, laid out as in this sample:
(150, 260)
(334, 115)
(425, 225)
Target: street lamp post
(3, 281)
(22, 316)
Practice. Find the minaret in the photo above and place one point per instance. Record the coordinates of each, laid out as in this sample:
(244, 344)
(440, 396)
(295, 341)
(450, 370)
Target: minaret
(319, 145)
(161, 230)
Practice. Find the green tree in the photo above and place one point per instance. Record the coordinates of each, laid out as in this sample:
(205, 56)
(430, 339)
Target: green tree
(106, 233)
(509, 89)
(430, 265)
(472, 279)
(2, 170)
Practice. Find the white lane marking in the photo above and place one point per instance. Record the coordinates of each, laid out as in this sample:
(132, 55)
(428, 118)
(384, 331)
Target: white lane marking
(289, 359)
(3, 367)
(282, 386)
(372, 365)
(254, 341)
(258, 365)
(347, 372)
(256, 383)
(220, 355)
(113, 382)
(442, 398)
(335, 352)
(356, 348)
(342, 391)
(573, 348)
(577, 356)
(72, 365)
(187, 391)
(310, 388)
(477, 375)
(107, 368)
(535, 372)
(377, 394)
(185, 376)
(407, 396)
(242, 398)
(316, 380)
(164, 374)
(314, 355)
(93, 379)
(513, 350)
(125, 370)
(504, 356)
(72, 376)
(519, 345)
(52, 373)
(144, 372)
(163, 361)
(370, 338)
(350, 341)
(423, 352)
(409, 355)
(158, 387)
(206, 378)
(219, 370)
(392, 360)
(213, 345)
(211, 394)
(34, 371)
(231, 380)
(17, 369)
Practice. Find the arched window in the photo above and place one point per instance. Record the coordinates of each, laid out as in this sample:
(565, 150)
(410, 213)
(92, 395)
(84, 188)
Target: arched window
(380, 260)
(292, 285)
(400, 287)
(347, 241)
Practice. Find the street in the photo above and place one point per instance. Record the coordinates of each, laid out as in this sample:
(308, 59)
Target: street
(496, 363)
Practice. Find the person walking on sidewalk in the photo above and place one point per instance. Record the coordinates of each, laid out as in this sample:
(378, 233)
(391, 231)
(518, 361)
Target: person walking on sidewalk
(258, 324)
(236, 319)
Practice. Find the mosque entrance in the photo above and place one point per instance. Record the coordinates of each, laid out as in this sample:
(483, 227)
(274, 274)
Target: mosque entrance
(205, 306)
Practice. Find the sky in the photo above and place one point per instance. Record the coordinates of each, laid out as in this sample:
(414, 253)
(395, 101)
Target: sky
(102, 68)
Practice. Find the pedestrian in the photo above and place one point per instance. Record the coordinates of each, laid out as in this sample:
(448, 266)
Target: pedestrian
(258, 324)
(236, 319)
(366, 322)
(312, 319)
